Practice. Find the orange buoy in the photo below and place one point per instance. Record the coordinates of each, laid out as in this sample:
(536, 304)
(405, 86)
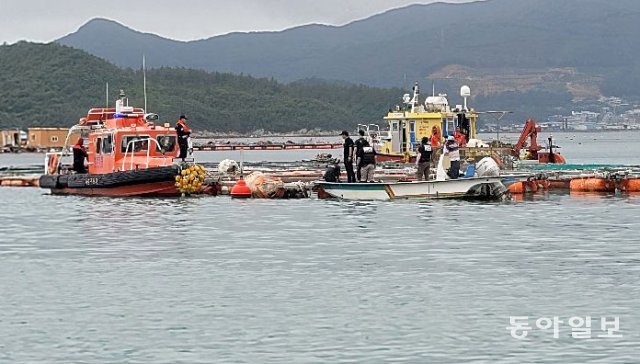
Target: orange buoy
(592, 185)
(523, 187)
(516, 188)
(559, 184)
(240, 189)
(630, 185)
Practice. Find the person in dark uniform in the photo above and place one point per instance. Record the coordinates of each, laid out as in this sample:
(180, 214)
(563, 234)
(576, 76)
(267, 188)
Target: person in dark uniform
(359, 144)
(349, 146)
(79, 155)
(367, 163)
(184, 133)
(424, 160)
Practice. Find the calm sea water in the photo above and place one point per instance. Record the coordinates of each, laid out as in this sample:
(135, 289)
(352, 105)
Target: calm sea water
(202, 280)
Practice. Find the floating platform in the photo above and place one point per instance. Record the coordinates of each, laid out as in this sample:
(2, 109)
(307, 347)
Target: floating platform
(19, 181)
(296, 179)
(270, 146)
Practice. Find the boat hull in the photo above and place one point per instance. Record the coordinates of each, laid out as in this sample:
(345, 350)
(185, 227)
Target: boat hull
(158, 181)
(470, 188)
(146, 189)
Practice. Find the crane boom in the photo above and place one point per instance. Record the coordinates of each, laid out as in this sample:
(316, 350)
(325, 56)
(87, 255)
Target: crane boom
(530, 131)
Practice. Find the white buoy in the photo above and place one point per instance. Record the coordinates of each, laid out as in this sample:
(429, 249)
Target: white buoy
(228, 167)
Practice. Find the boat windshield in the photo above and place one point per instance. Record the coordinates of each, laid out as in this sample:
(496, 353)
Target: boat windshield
(140, 146)
(166, 143)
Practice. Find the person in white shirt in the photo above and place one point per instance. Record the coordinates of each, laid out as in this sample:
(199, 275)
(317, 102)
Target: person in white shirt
(451, 149)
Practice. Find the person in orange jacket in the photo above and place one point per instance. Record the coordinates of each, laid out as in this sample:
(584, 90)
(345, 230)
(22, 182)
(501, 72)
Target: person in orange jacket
(435, 138)
(184, 133)
(460, 138)
(435, 144)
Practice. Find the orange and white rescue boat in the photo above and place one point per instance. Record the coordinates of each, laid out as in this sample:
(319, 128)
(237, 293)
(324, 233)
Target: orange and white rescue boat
(127, 154)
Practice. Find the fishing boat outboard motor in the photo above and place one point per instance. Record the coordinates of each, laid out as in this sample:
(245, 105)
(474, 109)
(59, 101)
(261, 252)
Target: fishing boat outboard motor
(332, 174)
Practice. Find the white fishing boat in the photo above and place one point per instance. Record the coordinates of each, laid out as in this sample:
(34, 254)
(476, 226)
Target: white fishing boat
(488, 187)
(471, 188)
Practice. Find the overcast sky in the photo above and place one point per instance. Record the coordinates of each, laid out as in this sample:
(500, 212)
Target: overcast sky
(47, 20)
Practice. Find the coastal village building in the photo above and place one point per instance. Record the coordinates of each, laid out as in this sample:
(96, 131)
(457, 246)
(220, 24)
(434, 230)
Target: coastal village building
(46, 137)
(10, 138)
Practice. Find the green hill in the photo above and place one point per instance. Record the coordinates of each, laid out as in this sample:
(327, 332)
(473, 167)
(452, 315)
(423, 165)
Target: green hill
(55, 85)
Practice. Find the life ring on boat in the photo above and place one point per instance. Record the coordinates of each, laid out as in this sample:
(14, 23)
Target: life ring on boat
(52, 167)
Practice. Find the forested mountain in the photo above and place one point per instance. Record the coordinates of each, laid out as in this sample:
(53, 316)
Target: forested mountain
(569, 49)
(54, 85)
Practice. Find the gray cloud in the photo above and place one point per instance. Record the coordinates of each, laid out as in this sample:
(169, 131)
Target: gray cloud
(47, 20)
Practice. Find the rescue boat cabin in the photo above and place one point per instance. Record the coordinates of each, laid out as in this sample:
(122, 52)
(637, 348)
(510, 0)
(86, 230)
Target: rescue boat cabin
(124, 138)
(412, 121)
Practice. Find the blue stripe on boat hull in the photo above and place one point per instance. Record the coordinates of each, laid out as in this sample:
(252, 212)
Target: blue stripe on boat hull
(355, 186)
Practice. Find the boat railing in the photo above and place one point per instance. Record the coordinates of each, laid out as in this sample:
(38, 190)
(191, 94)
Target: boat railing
(131, 149)
(52, 162)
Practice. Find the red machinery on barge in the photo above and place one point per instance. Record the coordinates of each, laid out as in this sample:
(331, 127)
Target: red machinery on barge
(536, 152)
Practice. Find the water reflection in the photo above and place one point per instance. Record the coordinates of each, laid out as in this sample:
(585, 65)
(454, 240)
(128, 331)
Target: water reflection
(187, 280)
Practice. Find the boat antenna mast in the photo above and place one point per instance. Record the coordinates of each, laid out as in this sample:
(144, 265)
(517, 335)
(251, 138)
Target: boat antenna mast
(416, 94)
(144, 81)
(107, 96)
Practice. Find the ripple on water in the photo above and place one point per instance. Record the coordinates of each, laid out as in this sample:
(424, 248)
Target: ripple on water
(175, 280)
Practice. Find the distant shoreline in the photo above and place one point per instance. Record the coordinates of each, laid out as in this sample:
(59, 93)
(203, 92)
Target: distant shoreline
(211, 135)
(563, 131)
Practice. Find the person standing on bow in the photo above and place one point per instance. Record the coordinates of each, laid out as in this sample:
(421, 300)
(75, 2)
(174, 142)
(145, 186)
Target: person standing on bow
(349, 147)
(451, 149)
(184, 133)
(423, 160)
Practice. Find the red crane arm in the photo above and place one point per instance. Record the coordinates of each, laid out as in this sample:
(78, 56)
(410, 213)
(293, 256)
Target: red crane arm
(530, 130)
